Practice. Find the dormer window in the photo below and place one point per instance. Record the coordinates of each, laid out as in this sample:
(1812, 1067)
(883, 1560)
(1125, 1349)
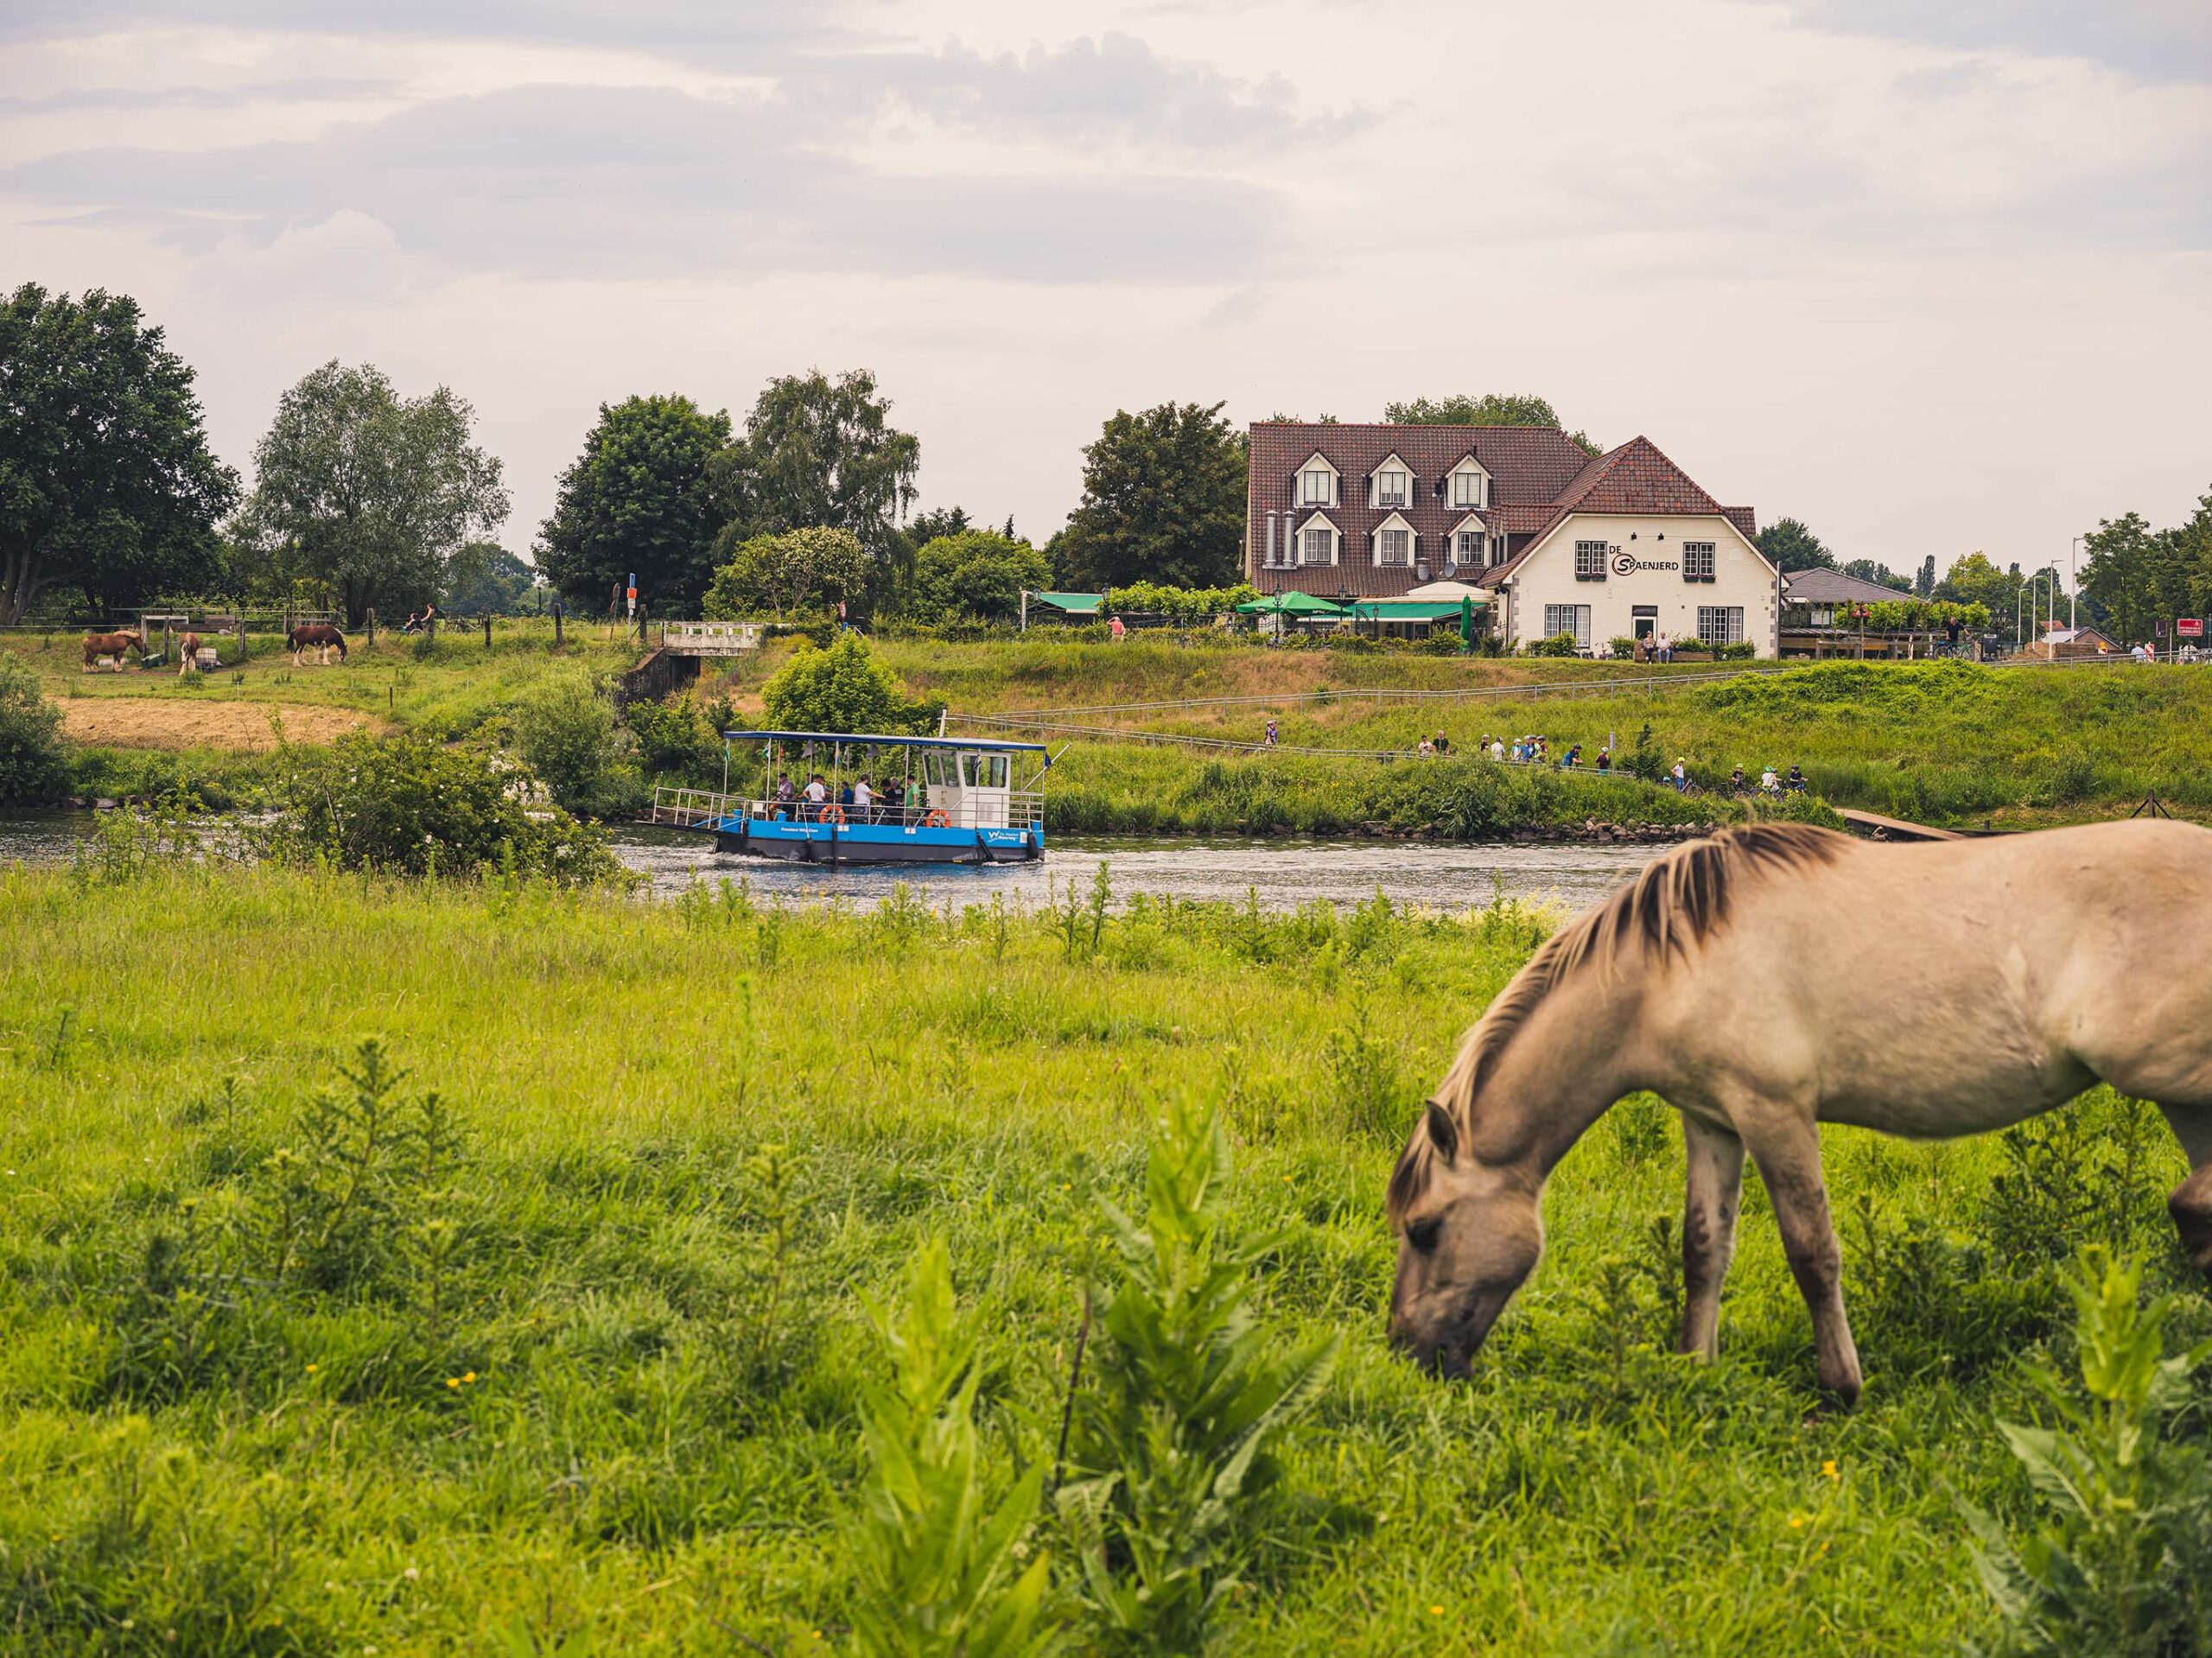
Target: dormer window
(1393, 542)
(1470, 484)
(1317, 542)
(1316, 483)
(1392, 483)
(1467, 548)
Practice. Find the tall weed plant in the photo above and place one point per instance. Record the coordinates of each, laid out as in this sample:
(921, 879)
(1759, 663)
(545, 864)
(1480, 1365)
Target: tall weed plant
(939, 1563)
(2122, 1564)
(1170, 1448)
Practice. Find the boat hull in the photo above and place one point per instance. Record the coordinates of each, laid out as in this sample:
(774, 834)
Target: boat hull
(876, 843)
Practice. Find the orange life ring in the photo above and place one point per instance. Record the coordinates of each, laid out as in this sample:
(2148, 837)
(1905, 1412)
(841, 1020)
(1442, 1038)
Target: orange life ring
(832, 813)
(937, 819)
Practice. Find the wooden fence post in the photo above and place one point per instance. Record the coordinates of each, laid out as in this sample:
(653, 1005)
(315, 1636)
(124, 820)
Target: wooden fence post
(241, 635)
(556, 623)
(487, 630)
(370, 615)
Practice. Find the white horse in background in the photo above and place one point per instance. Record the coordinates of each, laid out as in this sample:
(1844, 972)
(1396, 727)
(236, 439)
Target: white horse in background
(1778, 976)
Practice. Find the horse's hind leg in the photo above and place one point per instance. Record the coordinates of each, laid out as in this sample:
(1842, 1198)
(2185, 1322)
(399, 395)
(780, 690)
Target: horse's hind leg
(1715, 1188)
(2191, 1203)
(1786, 1144)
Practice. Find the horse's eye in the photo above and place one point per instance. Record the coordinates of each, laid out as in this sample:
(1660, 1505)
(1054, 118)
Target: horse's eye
(1423, 1234)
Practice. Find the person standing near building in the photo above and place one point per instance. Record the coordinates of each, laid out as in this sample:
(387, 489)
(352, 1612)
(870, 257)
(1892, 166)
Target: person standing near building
(1114, 627)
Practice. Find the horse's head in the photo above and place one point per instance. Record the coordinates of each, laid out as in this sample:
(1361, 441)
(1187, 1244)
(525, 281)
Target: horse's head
(1469, 1235)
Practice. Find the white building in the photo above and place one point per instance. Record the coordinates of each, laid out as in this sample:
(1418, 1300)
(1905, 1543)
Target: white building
(1615, 546)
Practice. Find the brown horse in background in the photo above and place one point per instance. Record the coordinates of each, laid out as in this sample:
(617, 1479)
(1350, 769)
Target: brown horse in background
(1730, 979)
(188, 654)
(109, 645)
(315, 636)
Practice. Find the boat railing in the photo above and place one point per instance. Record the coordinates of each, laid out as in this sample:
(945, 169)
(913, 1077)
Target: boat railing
(697, 808)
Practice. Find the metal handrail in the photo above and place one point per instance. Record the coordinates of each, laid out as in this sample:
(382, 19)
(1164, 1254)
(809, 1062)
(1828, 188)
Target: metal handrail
(688, 808)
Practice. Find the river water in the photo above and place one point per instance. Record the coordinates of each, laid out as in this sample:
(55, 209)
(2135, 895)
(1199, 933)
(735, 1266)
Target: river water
(1284, 874)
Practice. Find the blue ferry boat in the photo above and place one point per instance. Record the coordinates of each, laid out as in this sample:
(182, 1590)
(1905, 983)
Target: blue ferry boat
(868, 799)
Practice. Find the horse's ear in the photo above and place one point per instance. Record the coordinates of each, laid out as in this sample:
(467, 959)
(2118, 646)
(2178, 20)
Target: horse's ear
(1443, 1132)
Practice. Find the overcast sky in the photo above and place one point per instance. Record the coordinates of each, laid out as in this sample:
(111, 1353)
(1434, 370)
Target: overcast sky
(1932, 275)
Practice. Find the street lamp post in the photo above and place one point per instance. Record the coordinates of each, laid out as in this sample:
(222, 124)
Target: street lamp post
(2073, 583)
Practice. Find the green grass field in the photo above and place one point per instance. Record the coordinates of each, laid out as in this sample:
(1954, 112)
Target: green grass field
(590, 1377)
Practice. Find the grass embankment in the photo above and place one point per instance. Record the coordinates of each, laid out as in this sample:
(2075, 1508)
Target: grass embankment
(570, 1380)
(140, 731)
(1949, 743)
(1942, 743)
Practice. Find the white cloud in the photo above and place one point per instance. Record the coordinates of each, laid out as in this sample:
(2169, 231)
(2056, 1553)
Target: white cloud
(1931, 283)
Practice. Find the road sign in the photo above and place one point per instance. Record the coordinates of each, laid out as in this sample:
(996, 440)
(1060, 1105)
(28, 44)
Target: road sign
(2189, 627)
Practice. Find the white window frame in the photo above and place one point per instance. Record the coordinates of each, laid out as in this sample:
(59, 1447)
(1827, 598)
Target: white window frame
(1400, 557)
(1568, 619)
(1720, 624)
(1590, 562)
(1401, 495)
(1700, 560)
(1465, 556)
(1466, 487)
(1327, 480)
(1332, 542)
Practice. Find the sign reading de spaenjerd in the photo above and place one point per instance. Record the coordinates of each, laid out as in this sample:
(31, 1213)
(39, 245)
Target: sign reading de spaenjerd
(1628, 564)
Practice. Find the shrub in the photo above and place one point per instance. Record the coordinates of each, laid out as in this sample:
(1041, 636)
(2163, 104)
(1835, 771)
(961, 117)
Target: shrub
(2123, 1564)
(1560, 645)
(937, 1568)
(1187, 605)
(33, 771)
(976, 574)
(413, 806)
(844, 688)
(677, 739)
(1741, 650)
(1171, 1444)
(564, 732)
(1623, 645)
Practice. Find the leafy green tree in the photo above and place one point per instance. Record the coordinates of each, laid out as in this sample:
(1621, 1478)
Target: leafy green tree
(2139, 578)
(977, 572)
(1163, 500)
(822, 454)
(1788, 544)
(107, 482)
(789, 574)
(1924, 585)
(33, 770)
(1492, 409)
(484, 579)
(844, 687)
(645, 499)
(368, 493)
(1869, 569)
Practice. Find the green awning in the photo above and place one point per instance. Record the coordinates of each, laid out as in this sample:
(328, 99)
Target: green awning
(1290, 604)
(1076, 604)
(1418, 610)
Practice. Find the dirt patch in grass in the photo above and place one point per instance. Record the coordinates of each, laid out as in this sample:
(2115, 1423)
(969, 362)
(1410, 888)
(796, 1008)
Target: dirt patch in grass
(159, 723)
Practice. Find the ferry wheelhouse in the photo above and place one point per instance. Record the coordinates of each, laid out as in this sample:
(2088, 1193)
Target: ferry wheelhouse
(859, 797)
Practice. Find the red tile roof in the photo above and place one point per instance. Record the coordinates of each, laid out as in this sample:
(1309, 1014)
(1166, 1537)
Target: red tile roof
(1538, 475)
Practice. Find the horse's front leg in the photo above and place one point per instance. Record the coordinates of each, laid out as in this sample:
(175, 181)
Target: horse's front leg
(1715, 1188)
(1785, 1143)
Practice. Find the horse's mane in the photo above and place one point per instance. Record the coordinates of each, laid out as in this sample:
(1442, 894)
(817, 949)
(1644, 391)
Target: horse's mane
(1678, 901)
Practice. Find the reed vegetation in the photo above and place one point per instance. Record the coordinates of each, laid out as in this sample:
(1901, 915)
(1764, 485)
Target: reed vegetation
(418, 1267)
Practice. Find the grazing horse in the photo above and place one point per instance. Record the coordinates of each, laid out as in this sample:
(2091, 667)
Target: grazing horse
(188, 654)
(1730, 978)
(109, 645)
(317, 636)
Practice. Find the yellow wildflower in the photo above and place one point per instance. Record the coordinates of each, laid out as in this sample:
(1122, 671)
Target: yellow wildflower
(453, 1382)
(1796, 1522)
(470, 1375)
(1828, 1472)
